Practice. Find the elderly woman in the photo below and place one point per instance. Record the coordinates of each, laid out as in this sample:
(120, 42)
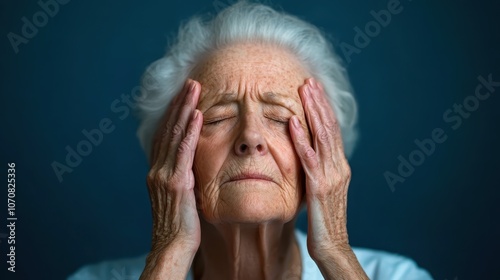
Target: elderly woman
(259, 121)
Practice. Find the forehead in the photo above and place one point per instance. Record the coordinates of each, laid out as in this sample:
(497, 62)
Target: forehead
(251, 68)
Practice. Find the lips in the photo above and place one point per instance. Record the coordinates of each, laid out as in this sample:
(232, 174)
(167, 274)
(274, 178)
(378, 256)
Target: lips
(250, 176)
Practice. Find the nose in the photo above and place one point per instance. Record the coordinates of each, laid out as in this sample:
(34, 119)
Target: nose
(250, 140)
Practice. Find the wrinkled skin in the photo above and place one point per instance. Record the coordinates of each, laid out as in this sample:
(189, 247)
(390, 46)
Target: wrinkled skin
(259, 114)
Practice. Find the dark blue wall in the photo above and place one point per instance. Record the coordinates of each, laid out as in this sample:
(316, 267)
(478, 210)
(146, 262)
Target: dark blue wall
(77, 66)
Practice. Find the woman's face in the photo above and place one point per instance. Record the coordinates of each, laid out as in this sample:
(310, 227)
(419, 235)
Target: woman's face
(245, 167)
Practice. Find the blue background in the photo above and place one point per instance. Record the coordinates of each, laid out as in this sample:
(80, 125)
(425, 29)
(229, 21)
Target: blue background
(445, 215)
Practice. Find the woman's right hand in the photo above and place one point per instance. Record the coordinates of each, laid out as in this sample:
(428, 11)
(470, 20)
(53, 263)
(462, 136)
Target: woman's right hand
(176, 225)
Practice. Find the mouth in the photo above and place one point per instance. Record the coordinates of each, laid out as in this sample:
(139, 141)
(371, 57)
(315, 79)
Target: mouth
(250, 176)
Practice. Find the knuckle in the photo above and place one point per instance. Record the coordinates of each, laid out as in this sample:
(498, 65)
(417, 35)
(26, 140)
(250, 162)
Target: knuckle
(184, 147)
(161, 177)
(347, 171)
(322, 135)
(150, 179)
(309, 153)
(167, 127)
(191, 133)
(310, 157)
(157, 177)
(177, 130)
(330, 124)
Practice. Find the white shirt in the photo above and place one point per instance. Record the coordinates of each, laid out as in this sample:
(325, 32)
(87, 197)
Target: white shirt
(378, 265)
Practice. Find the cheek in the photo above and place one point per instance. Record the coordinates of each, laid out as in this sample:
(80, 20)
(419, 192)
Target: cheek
(209, 157)
(286, 157)
(290, 167)
(288, 161)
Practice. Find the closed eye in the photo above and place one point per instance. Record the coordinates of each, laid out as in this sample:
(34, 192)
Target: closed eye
(216, 121)
(279, 120)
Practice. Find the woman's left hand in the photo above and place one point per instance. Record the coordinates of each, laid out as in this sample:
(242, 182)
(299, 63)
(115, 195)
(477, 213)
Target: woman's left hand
(327, 180)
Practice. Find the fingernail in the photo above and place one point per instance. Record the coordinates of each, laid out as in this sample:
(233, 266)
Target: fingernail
(295, 122)
(196, 114)
(307, 90)
(313, 83)
(192, 85)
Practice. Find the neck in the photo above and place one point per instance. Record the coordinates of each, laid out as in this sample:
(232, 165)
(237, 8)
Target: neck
(247, 251)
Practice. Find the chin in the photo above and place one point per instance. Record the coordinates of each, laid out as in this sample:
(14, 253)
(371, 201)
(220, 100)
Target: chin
(253, 202)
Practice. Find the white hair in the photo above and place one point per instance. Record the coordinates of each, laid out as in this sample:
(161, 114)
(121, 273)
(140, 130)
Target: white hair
(244, 22)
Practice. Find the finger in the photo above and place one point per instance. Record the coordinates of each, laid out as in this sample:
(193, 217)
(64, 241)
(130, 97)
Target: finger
(334, 148)
(327, 113)
(306, 153)
(187, 148)
(313, 111)
(160, 149)
(171, 118)
(319, 95)
(178, 131)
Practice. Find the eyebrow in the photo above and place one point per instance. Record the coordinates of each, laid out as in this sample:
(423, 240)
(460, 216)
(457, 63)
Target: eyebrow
(268, 97)
(279, 99)
(273, 96)
(225, 98)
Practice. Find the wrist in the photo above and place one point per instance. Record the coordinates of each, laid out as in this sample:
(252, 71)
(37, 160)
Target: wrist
(334, 252)
(340, 262)
(176, 244)
(171, 261)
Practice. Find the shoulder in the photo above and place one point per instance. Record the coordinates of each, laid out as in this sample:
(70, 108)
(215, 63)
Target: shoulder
(384, 265)
(128, 268)
(376, 264)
